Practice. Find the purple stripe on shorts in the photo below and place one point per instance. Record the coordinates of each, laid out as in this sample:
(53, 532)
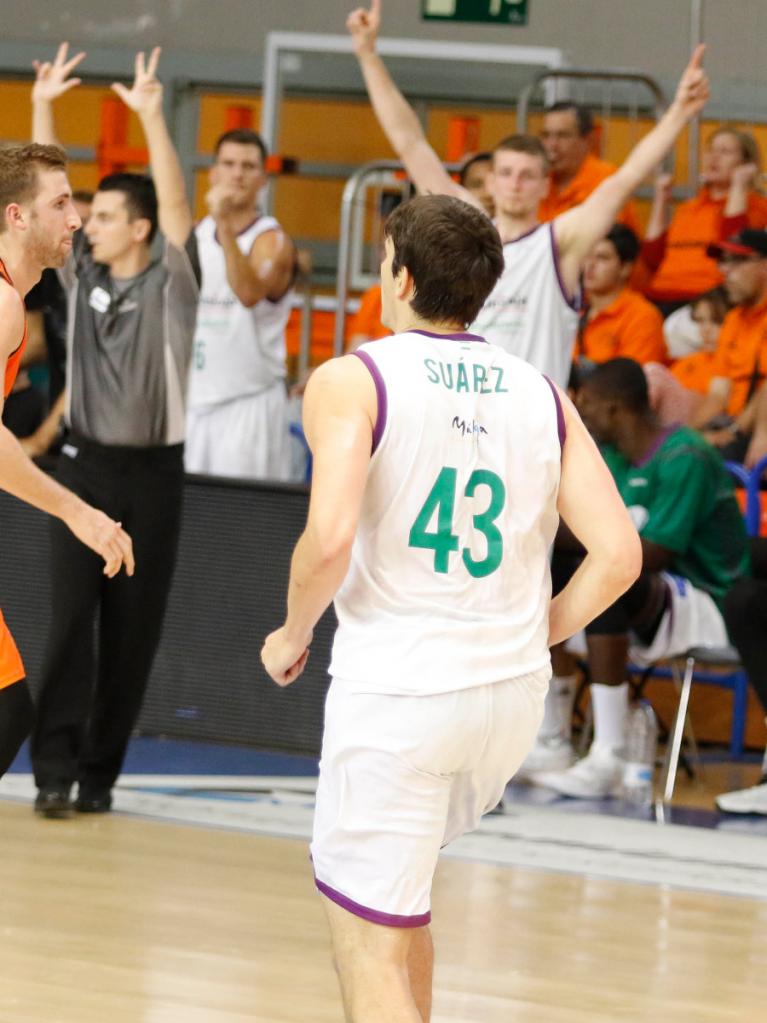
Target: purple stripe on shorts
(373, 915)
(383, 405)
(572, 300)
(449, 337)
(561, 427)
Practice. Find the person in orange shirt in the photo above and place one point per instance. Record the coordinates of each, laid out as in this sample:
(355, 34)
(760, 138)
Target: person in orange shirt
(677, 250)
(676, 392)
(575, 171)
(366, 325)
(37, 223)
(617, 321)
(727, 413)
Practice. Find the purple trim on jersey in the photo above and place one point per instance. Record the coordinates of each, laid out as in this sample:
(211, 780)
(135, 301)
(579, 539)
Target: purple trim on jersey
(383, 405)
(373, 915)
(513, 241)
(561, 427)
(449, 337)
(574, 301)
(661, 439)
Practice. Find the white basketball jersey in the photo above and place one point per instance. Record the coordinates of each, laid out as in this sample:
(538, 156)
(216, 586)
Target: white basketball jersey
(449, 582)
(237, 351)
(528, 312)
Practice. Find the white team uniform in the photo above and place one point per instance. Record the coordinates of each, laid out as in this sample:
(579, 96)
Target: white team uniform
(237, 402)
(440, 663)
(529, 313)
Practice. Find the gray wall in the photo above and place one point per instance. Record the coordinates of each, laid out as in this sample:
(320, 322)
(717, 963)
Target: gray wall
(204, 36)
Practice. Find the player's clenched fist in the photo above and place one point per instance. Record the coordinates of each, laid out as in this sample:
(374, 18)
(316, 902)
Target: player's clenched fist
(363, 26)
(284, 658)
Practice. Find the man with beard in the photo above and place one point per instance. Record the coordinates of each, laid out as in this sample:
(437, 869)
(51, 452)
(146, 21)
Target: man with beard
(37, 225)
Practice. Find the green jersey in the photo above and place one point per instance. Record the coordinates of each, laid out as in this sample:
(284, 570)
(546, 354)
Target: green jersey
(681, 497)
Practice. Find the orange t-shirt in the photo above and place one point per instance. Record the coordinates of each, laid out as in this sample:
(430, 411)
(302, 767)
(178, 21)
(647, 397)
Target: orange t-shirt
(11, 666)
(686, 270)
(630, 327)
(592, 172)
(367, 322)
(741, 353)
(695, 371)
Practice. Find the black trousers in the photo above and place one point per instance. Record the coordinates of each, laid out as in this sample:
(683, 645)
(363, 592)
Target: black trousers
(16, 716)
(90, 697)
(745, 613)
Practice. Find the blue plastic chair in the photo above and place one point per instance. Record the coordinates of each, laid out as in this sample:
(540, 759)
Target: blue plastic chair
(753, 500)
(296, 430)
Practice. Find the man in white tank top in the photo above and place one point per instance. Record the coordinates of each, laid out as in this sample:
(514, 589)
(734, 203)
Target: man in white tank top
(441, 466)
(533, 310)
(237, 418)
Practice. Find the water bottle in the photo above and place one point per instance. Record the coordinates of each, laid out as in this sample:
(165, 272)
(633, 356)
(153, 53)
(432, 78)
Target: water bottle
(641, 747)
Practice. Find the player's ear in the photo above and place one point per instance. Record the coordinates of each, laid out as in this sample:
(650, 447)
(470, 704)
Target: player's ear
(14, 215)
(404, 285)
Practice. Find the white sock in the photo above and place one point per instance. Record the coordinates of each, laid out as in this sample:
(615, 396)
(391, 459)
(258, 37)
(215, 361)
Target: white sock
(764, 764)
(610, 705)
(558, 708)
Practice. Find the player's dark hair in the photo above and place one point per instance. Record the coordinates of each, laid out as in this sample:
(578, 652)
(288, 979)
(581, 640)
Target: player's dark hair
(524, 144)
(625, 242)
(622, 381)
(583, 116)
(453, 253)
(140, 197)
(243, 137)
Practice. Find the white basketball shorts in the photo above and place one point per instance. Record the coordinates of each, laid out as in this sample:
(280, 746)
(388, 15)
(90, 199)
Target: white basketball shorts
(691, 619)
(401, 776)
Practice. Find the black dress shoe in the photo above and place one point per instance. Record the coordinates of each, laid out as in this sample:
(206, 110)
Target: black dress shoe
(94, 802)
(54, 802)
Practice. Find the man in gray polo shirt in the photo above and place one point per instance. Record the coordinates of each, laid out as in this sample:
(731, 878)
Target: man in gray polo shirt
(130, 340)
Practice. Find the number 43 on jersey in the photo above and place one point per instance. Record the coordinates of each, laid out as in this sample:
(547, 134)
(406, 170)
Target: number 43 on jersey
(443, 541)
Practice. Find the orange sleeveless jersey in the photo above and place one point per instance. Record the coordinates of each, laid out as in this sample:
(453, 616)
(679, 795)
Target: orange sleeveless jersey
(11, 666)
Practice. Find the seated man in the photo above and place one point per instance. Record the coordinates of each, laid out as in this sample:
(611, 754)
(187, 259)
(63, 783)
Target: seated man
(575, 171)
(617, 321)
(740, 362)
(694, 547)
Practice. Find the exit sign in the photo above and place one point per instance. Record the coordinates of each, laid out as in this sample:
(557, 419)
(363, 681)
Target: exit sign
(508, 12)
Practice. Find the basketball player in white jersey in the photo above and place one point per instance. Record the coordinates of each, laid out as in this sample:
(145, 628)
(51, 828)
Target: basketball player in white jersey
(441, 465)
(237, 419)
(532, 312)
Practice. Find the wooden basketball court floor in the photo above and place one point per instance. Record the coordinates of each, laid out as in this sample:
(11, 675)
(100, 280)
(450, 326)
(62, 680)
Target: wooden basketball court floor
(136, 919)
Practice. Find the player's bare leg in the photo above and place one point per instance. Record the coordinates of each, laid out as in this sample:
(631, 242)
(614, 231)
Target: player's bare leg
(373, 964)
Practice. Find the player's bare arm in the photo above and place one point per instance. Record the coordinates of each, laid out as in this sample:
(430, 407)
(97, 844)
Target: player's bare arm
(339, 415)
(52, 79)
(268, 270)
(145, 99)
(22, 478)
(394, 113)
(591, 507)
(579, 228)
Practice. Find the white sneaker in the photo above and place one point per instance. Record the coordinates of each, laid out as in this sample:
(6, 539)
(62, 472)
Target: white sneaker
(597, 775)
(753, 800)
(552, 753)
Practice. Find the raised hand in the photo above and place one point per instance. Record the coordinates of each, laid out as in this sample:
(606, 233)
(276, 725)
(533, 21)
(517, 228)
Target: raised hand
(145, 96)
(744, 176)
(363, 26)
(52, 78)
(221, 202)
(693, 90)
